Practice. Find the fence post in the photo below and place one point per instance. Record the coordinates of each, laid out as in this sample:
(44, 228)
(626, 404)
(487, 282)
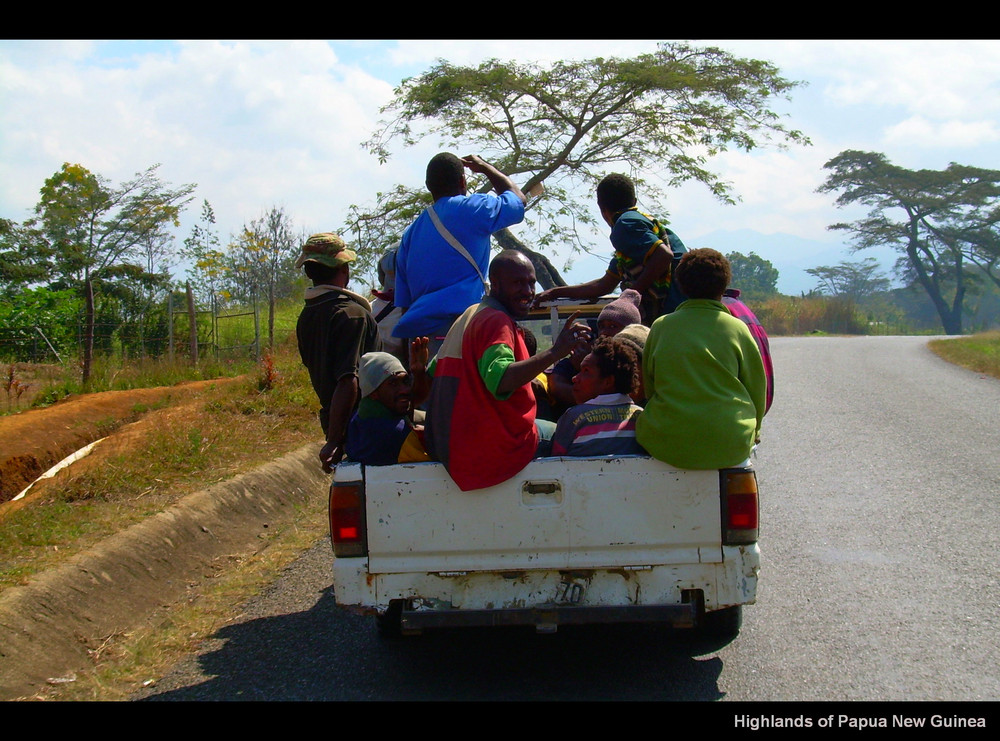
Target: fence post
(256, 328)
(170, 324)
(215, 326)
(193, 320)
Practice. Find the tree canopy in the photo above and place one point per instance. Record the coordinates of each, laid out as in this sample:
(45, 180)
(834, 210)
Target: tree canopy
(940, 221)
(658, 117)
(756, 277)
(95, 237)
(16, 264)
(855, 280)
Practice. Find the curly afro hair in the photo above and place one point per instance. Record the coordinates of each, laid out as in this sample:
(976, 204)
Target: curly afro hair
(616, 192)
(703, 273)
(618, 359)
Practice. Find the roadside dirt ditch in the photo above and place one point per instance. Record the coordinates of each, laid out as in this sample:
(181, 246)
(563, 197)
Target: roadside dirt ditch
(34, 440)
(52, 625)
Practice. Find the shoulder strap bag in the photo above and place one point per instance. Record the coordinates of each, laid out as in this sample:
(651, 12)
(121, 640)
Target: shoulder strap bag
(450, 239)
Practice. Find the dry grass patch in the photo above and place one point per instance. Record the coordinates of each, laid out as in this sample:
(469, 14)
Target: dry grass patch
(979, 353)
(127, 662)
(143, 467)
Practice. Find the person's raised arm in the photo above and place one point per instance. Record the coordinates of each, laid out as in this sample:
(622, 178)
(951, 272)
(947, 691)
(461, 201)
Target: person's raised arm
(500, 182)
(588, 291)
(419, 359)
(521, 372)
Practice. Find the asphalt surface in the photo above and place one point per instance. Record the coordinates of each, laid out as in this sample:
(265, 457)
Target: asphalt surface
(879, 479)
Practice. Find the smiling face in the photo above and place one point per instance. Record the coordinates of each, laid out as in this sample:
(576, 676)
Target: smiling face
(394, 393)
(589, 382)
(513, 285)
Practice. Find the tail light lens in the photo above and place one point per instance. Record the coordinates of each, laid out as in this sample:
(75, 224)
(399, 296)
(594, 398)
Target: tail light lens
(347, 519)
(739, 506)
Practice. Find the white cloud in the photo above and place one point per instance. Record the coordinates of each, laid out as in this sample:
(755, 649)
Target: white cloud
(424, 52)
(921, 132)
(938, 79)
(254, 124)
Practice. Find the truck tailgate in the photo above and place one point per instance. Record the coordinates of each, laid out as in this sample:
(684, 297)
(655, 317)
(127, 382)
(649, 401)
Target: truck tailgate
(592, 513)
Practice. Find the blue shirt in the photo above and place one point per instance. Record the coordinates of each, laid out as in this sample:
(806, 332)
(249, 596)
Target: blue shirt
(434, 282)
(377, 437)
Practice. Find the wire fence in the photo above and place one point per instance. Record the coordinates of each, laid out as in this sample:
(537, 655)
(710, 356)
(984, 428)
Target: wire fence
(169, 331)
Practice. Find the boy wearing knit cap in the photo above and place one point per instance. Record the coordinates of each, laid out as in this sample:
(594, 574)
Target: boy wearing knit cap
(380, 432)
(620, 313)
(613, 318)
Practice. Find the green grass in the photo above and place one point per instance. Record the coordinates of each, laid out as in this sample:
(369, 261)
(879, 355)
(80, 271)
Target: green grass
(979, 353)
(32, 385)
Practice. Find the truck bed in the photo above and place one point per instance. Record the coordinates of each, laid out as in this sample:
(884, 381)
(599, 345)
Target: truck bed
(553, 515)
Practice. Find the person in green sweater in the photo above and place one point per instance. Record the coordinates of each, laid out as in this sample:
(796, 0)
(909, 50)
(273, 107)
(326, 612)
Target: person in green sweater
(703, 375)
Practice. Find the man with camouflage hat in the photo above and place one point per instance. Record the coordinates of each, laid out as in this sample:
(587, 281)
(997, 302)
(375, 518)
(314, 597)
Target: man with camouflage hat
(334, 330)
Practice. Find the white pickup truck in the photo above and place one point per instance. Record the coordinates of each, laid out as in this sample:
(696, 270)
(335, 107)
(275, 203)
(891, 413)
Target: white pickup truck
(566, 541)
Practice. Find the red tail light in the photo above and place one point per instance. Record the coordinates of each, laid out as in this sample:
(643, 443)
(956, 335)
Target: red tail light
(347, 519)
(739, 506)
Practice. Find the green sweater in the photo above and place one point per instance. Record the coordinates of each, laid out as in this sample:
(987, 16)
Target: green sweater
(706, 388)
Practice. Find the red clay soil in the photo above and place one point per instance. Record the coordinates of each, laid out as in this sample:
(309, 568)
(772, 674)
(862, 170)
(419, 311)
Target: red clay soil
(33, 441)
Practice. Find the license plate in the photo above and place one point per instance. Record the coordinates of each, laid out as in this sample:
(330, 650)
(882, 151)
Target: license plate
(569, 593)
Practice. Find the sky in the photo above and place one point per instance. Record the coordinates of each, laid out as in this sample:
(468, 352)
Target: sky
(265, 123)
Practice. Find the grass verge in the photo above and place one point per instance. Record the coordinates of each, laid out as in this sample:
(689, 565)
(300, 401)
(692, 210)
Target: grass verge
(170, 452)
(173, 450)
(129, 661)
(979, 353)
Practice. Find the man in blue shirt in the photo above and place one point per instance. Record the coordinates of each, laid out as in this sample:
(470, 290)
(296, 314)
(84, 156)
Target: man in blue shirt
(435, 282)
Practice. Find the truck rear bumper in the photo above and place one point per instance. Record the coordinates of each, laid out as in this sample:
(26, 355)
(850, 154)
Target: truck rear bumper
(668, 594)
(678, 616)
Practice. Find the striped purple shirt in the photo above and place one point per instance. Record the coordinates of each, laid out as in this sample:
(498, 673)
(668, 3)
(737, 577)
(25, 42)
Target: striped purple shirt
(731, 298)
(605, 425)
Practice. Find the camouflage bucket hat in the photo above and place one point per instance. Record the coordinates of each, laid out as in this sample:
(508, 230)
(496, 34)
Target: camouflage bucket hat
(326, 248)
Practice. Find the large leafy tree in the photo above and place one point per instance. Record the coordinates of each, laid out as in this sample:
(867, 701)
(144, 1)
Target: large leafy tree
(756, 277)
(935, 219)
(659, 117)
(979, 233)
(96, 236)
(17, 268)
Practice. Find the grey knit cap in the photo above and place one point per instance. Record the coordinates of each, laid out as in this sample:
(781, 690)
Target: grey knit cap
(635, 335)
(374, 368)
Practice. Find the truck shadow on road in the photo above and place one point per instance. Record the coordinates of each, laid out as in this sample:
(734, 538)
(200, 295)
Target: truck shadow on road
(327, 654)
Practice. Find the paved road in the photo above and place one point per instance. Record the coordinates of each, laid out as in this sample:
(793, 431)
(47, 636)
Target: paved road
(880, 480)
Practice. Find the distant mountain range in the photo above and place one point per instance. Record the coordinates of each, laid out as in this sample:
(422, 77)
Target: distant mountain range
(791, 255)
